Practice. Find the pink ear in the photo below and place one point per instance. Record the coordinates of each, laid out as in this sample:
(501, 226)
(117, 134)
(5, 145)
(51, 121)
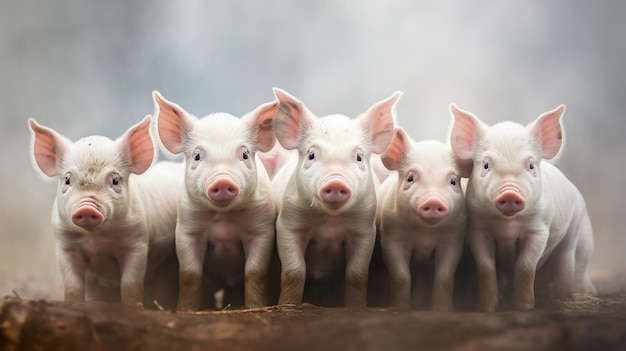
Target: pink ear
(466, 128)
(48, 147)
(378, 121)
(292, 119)
(138, 145)
(547, 129)
(173, 123)
(261, 122)
(393, 155)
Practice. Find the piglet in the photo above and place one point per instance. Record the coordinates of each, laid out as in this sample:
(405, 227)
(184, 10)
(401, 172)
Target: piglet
(326, 197)
(113, 217)
(526, 218)
(421, 219)
(226, 213)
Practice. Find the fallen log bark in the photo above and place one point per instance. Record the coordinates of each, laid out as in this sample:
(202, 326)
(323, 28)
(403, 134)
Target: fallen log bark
(583, 324)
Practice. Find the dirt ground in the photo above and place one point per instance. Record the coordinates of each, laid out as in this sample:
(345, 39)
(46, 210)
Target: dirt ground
(584, 322)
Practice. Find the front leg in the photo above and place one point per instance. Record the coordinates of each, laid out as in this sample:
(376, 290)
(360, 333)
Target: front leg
(483, 250)
(530, 250)
(397, 255)
(291, 251)
(258, 253)
(190, 250)
(358, 255)
(133, 267)
(446, 261)
(72, 267)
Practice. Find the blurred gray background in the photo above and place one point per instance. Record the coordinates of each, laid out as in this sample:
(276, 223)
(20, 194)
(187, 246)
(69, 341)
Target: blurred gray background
(88, 67)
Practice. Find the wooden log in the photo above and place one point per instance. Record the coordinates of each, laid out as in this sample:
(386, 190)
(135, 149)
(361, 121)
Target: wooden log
(583, 324)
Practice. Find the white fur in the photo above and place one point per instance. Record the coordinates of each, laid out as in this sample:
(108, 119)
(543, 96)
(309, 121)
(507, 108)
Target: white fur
(407, 241)
(221, 243)
(551, 239)
(139, 221)
(306, 226)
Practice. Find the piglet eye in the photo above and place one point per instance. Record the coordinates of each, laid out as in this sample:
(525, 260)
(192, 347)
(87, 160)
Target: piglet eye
(245, 155)
(67, 180)
(453, 181)
(531, 165)
(115, 181)
(486, 165)
(409, 178)
(196, 156)
(359, 158)
(311, 155)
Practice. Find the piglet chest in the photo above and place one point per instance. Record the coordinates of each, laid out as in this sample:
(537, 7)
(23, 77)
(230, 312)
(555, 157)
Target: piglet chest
(325, 254)
(103, 254)
(508, 234)
(424, 243)
(225, 235)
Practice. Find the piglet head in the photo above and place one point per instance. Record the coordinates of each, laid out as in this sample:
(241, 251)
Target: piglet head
(220, 151)
(93, 172)
(429, 185)
(505, 159)
(333, 169)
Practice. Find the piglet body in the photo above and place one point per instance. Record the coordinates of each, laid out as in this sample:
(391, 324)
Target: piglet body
(526, 218)
(326, 200)
(421, 220)
(113, 217)
(226, 213)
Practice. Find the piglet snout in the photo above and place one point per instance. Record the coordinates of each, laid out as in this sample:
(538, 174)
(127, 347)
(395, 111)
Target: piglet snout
(87, 216)
(432, 209)
(223, 189)
(335, 191)
(510, 202)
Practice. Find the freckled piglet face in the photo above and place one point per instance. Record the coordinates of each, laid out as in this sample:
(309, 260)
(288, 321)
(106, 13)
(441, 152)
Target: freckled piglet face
(506, 158)
(220, 150)
(93, 172)
(334, 151)
(429, 179)
(334, 170)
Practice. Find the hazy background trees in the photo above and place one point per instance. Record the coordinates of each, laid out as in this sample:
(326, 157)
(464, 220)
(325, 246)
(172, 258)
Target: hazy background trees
(88, 67)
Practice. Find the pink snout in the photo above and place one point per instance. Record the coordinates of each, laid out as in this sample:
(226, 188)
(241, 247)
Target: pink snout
(510, 202)
(87, 216)
(432, 209)
(335, 191)
(223, 189)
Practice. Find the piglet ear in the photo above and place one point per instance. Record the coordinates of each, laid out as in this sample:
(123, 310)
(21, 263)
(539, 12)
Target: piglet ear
(138, 146)
(394, 154)
(378, 121)
(547, 130)
(47, 148)
(465, 130)
(292, 119)
(261, 123)
(173, 123)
